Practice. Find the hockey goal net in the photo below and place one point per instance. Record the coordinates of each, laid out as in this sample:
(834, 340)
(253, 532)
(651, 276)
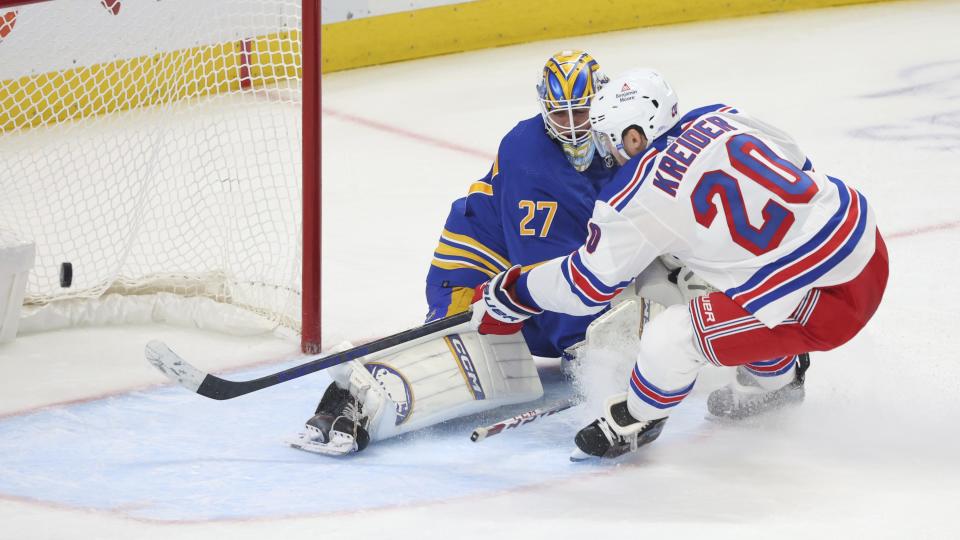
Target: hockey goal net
(158, 147)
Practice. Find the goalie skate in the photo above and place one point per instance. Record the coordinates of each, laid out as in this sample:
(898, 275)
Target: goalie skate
(746, 399)
(337, 428)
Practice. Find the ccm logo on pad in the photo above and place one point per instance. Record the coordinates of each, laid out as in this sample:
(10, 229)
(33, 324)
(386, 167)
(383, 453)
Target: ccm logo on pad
(467, 367)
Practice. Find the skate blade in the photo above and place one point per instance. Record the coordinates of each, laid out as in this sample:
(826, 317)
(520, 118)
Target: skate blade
(340, 446)
(300, 441)
(727, 421)
(303, 441)
(579, 455)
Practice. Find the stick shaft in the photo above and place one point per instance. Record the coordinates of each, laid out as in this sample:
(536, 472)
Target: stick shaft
(214, 387)
(482, 433)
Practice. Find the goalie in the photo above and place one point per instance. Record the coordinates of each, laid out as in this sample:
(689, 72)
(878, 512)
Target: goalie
(531, 206)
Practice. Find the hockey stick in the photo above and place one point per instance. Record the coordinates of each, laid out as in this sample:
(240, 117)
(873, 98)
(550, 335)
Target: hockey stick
(211, 386)
(482, 433)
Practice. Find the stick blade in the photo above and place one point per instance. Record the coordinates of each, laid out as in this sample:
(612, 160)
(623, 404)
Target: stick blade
(175, 368)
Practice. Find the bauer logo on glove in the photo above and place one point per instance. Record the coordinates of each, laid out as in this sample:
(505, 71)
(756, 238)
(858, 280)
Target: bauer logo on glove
(494, 310)
(500, 313)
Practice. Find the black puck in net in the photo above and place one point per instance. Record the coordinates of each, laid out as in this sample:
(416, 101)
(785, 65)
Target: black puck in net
(66, 274)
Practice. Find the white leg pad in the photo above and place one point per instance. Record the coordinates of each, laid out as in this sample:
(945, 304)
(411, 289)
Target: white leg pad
(619, 328)
(459, 374)
(16, 260)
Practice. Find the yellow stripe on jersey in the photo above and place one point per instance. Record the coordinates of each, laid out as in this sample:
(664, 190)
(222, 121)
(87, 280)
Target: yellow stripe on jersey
(461, 265)
(496, 168)
(446, 249)
(530, 267)
(464, 265)
(460, 300)
(480, 187)
(454, 238)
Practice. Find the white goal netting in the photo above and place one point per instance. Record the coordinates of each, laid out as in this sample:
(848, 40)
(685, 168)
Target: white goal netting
(156, 147)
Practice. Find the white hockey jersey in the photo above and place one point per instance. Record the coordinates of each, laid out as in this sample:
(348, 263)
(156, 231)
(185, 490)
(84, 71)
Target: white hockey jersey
(729, 196)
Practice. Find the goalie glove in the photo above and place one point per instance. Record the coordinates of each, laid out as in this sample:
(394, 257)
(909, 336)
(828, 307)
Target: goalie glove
(496, 309)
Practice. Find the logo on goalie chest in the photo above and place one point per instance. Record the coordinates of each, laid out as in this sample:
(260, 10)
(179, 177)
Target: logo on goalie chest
(396, 387)
(467, 368)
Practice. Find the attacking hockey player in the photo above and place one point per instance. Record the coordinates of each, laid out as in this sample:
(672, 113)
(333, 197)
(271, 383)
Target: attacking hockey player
(531, 206)
(794, 254)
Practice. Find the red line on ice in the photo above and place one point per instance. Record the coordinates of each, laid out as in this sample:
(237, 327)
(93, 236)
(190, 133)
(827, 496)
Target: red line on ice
(923, 230)
(431, 141)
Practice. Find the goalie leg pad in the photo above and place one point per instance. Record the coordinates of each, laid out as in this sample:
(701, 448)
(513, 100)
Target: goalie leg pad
(619, 329)
(459, 374)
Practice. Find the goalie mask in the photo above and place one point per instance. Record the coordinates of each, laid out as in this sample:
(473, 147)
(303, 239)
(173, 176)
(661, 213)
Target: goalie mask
(570, 80)
(640, 98)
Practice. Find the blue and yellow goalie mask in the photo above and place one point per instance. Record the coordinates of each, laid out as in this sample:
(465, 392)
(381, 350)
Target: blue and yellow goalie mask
(570, 80)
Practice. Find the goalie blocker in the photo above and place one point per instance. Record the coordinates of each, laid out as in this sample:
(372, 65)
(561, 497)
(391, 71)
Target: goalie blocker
(394, 392)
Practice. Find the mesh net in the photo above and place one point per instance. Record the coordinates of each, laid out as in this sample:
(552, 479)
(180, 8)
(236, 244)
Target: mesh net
(156, 147)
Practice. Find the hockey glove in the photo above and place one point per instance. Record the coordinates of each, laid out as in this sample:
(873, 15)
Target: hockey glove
(689, 284)
(496, 309)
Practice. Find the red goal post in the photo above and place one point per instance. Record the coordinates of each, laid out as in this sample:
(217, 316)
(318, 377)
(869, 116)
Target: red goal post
(166, 148)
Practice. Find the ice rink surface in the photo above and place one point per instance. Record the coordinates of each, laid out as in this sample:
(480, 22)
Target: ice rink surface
(94, 444)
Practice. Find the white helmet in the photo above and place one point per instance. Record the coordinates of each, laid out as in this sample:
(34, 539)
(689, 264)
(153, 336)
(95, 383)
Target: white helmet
(640, 98)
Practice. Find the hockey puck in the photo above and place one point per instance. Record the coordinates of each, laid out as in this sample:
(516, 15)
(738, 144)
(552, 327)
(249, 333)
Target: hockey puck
(66, 274)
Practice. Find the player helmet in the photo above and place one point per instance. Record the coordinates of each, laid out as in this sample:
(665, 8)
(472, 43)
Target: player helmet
(569, 81)
(640, 98)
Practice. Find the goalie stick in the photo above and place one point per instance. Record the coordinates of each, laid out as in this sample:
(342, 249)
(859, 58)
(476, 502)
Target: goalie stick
(211, 386)
(482, 433)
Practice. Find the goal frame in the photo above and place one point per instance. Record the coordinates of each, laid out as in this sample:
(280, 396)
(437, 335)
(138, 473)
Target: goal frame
(310, 54)
(311, 186)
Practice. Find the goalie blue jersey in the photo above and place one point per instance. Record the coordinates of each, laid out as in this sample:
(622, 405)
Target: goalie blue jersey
(532, 206)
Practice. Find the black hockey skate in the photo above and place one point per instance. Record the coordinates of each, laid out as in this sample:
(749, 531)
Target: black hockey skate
(337, 427)
(620, 434)
(732, 404)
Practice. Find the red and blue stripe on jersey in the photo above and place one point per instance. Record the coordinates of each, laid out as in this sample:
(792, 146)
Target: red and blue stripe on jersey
(692, 116)
(772, 368)
(706, 333)
(656, 397)
(589, 288)
(621, 198)
(623, 188)
(586, 285)
(811, 261)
